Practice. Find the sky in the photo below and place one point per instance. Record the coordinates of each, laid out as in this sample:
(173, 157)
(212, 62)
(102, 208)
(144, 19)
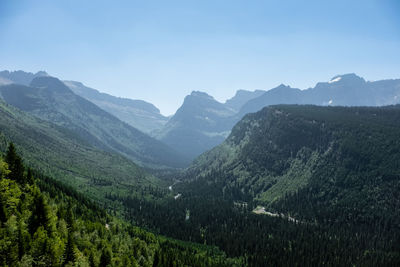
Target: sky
(160, 51)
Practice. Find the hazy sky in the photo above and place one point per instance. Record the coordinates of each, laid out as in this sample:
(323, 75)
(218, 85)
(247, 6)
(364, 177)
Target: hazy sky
(160, 51)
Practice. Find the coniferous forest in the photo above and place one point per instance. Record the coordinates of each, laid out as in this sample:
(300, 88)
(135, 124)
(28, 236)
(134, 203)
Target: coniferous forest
(199, 133)
(333, 173)
(45, 223)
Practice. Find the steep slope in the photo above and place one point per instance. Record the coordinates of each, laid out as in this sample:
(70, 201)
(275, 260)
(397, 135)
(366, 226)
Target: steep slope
(283, 149)
(341, 90)
(327, 177)
(45, 223)
(49, 99)
(198, 125)
(61, 153)
(242, 97)
(137, 113)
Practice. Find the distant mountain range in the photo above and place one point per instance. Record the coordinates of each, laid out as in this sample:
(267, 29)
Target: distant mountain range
(51, 100)
(20, 77)
(341, 90)
(242, 97)
(202, 122)
(285, 185)
(137, 113)
(198, 125)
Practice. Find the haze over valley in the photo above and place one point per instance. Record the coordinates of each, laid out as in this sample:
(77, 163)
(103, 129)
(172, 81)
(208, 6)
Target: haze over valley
(199, 133)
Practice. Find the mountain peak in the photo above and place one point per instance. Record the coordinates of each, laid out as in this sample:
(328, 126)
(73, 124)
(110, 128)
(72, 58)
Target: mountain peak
(41, 73)
(346, 78)
(21, 77)
(283, 86)
(201, 95)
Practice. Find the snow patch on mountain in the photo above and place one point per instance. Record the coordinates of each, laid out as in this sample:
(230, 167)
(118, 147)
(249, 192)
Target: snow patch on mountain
(335, 80)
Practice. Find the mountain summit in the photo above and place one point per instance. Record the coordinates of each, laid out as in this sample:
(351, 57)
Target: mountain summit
(21, 77)
(198, 125)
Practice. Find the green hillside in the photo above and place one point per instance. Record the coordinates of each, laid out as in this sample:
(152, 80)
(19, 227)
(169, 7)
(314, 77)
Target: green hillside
(281, 149)
(326, 177)
(58, 152)
(45, 223)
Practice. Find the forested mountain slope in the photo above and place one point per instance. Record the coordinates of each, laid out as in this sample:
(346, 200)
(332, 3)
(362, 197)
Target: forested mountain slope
(283, 149)
(45, 223)
(62, 154)
(328, 178)
(51, 100)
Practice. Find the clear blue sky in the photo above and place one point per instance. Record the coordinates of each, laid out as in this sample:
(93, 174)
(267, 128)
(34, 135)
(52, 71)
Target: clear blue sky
(160, 51)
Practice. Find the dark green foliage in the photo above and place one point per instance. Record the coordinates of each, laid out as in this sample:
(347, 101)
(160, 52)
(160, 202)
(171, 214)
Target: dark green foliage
(29, 177)
(40, 213)
(69, 256)
(60, 153)
(14, 164)
(267, 241)
(334, 170)
(105, 258)
(56, 226)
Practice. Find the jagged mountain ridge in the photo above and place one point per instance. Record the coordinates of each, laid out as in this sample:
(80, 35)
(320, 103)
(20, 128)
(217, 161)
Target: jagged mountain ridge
(49, 99)
(341, 90)
(198, 125)
(189, 132)
(21, 77)
(137, 113)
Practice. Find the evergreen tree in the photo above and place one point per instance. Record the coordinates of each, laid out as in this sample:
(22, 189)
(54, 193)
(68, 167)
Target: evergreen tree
(4, 171)
(92, 262)
(105, 258)
(39, 215)
(29, 177)
(69, 250)
(15, 165)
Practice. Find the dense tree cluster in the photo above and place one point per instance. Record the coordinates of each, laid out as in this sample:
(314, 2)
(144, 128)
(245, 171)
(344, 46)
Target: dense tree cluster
(44, 223)
(334, 170)
(215, 219)
(331, 173)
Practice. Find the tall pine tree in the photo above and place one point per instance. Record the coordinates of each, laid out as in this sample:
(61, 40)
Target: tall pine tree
(14, 165)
